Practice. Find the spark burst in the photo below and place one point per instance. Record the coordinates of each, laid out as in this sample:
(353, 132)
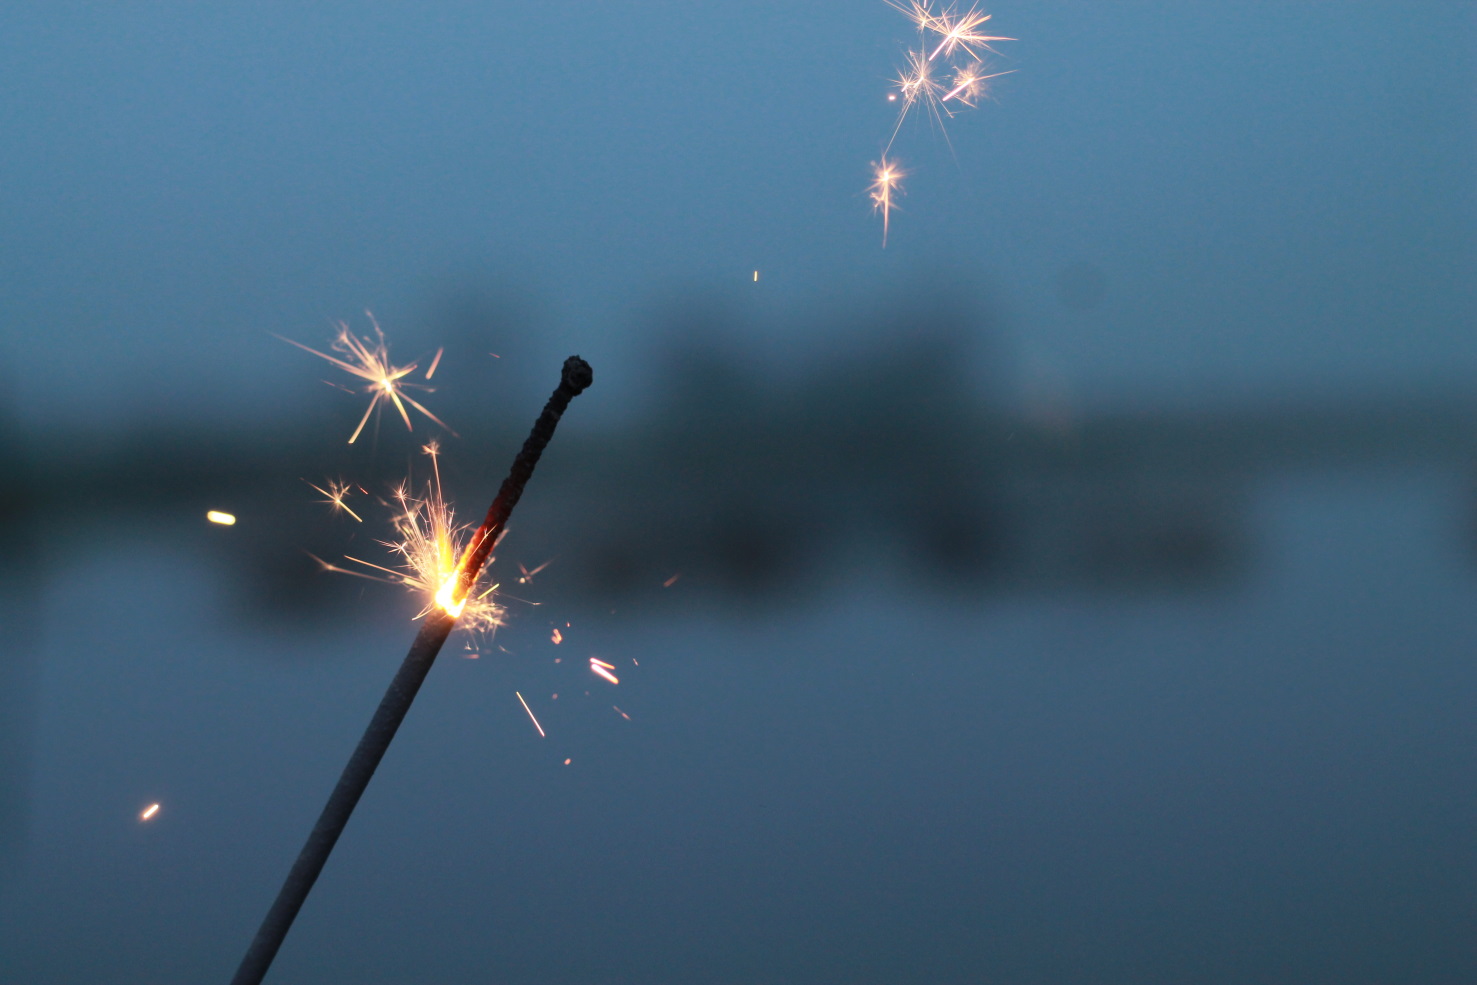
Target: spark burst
(368, 357)
(433, 548)
(943, 35)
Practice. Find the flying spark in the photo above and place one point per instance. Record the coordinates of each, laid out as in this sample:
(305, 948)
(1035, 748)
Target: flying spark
(558, 637)
(530, 716)
(887, 179)
(604, 670)
(148, 812)
(368, 357)
(526, 577)
(959, 32)
(969, 83)
(224, 519)
(334, 496)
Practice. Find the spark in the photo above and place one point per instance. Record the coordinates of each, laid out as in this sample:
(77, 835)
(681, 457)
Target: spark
(916, 84)
(567, 762)
(969, 83)
(530, 716)
(756, 276)
(672, 580)
(334, 496)
(558, 637)
(224, 519)
(148, 812)
(621, 713)
(434, 363)
(959, 32)
(526, 577)
(604, 670)
(368, 357)
(887, 179)
(916, 12)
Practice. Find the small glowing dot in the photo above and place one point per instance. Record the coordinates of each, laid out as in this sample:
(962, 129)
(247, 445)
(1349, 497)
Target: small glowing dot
(756, 276)
(566, 762)
(148, 812)
(224, 519)
(558, 637)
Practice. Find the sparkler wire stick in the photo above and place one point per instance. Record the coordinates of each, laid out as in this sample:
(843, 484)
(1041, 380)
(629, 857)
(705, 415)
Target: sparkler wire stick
(576, 376)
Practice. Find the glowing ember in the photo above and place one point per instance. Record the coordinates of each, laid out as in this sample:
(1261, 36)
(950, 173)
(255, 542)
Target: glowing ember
(672, 580)
(558, 637)
(621, 713)
(368, 358)
(530, 715)
(604, 670)
(148, 812)
(224, 519)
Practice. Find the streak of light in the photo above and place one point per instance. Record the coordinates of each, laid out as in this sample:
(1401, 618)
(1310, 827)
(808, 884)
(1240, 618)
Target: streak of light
(672, 580)
(224, 519)
(334, 496)
(756, 276)
(434, 363)
(368, 357)
(530, 716)
(621, 713)
(148, 812)
(557, 637)
(604, 670)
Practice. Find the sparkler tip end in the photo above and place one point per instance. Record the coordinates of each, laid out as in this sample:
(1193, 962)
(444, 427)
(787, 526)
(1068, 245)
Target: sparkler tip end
(577, 375)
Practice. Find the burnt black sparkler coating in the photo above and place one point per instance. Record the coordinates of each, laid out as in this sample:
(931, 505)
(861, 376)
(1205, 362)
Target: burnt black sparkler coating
(437, 626)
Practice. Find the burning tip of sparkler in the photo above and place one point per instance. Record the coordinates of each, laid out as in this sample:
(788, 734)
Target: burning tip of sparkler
(148, 812)
(224, 519)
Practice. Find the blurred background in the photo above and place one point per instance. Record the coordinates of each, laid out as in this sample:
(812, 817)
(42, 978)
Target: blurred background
(1079, 589)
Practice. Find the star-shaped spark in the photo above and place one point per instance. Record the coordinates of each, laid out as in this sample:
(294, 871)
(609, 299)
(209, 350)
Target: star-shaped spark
(368, 357)
(886, 180)
(334, 496)
(959, 31)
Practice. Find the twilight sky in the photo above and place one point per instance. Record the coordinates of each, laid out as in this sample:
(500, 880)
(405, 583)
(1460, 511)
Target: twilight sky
(1164, 200)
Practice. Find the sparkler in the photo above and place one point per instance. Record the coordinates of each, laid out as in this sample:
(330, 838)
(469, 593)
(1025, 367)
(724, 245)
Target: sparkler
(368, 357)
(441, 618)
